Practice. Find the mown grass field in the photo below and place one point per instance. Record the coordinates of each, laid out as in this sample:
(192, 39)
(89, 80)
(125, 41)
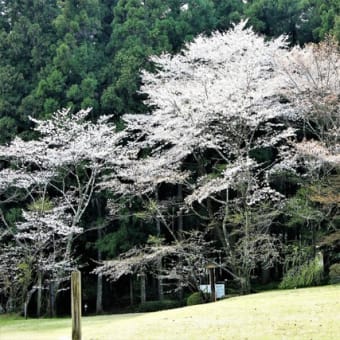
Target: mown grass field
(312, 313)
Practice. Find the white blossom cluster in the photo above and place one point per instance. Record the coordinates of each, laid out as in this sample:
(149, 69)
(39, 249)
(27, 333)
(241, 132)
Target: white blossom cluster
(42, 226)
(221, 93)
(22, 180)
(313, 86)
(319, 151)
(66, 139)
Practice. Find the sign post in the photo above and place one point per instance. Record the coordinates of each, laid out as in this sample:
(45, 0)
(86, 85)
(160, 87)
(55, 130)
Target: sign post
(211, 267)
(76, 304)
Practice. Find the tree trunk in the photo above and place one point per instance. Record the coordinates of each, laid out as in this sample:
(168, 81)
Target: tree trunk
(180, 213)
(39, 294)
(158, 221)
(27, 301)
(265, 275)
(142, 288)
(180, 224)
(25, 310)
(180, 290)
(131, 291)
(160, 282)
(159, 264)
(314, 240)
(99, 299)
(245, 285)
(9, 304)
(52, 299)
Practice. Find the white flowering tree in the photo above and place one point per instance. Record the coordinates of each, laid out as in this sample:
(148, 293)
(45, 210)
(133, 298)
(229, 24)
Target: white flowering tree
(56, 175)
(313, 86)
(16, 256)
(184, 262)
(37, 251)
(69, 148)
(219, 119)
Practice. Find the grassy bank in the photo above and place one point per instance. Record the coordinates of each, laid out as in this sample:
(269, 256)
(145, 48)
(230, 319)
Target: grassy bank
(312, 313)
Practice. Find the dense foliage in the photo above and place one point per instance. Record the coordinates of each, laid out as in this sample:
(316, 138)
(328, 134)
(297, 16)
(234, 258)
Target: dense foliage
(222, 150)
(80, 54)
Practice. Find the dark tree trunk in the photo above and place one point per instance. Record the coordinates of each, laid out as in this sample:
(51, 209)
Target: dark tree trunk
(39, 294)
(159, 265)
(131, 291)
(52, 299)
(180, 213)
(265, 275)
(99, 297)
(142, 288)
(160, 282)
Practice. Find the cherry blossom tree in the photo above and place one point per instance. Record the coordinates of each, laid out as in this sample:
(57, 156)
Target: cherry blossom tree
(37, 252)
(69, 147)
(312, 78)
(16, 256)
(313, 86)
(219, 105)
(184, 261)
(62, 167)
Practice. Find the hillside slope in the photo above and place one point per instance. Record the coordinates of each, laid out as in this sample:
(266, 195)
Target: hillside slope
(312, 313)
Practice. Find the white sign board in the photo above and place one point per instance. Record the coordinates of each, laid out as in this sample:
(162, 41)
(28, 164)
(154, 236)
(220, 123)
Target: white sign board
(219, 289)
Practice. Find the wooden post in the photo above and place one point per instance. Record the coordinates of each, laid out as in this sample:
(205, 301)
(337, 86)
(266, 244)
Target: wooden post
(76, 304)
(211, 267)
(212, 284)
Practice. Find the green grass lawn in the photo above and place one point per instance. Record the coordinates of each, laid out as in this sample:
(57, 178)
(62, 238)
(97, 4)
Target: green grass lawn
(312, 313)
